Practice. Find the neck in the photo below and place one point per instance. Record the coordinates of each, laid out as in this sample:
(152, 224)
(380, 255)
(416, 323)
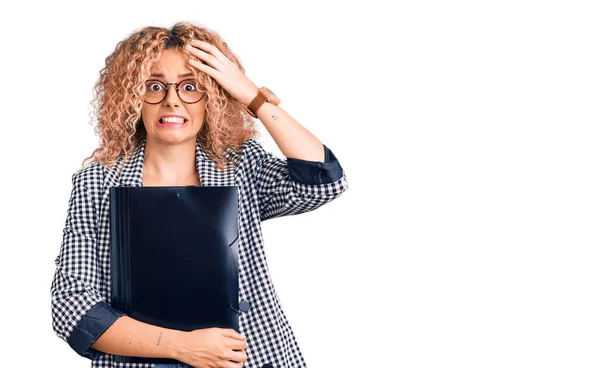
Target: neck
(169, 163)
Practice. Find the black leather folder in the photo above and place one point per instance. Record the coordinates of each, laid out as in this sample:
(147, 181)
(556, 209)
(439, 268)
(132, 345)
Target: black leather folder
(174, 257)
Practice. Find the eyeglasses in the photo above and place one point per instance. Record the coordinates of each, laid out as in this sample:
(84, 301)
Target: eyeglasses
(156, 91)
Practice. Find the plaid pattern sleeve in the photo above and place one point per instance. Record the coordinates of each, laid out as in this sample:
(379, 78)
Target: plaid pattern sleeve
(79, 313)
(293, 186)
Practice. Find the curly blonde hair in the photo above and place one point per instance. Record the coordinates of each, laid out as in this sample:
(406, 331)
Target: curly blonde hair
(118, 95)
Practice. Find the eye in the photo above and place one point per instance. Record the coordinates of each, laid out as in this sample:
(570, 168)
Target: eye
(189, 87)
(154, 87)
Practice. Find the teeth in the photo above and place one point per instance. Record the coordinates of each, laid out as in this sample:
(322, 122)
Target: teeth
(172, 120)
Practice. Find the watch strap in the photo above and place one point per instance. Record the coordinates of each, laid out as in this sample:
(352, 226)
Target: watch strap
(257, 102)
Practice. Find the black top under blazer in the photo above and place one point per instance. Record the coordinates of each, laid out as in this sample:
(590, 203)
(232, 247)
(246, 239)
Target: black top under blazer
(268, 187)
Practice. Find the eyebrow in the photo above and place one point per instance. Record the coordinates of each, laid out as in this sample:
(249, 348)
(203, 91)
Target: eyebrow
(160, 75)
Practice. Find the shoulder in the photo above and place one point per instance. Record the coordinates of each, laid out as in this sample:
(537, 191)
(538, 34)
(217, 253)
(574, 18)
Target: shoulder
(251, 155)
(253, 147)
(253, 151)
(90, 176)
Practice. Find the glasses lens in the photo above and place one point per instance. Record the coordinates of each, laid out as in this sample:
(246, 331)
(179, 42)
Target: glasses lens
(190, 91)
(155, 92)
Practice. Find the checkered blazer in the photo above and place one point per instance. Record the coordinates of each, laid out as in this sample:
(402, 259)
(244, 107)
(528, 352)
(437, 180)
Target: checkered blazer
(268, 187)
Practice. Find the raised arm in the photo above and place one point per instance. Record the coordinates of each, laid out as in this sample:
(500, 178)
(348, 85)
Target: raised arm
(309, 177)
(293, 186)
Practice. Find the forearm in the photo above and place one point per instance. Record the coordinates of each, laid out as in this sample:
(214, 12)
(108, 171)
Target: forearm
(127, 336)
(291, 137)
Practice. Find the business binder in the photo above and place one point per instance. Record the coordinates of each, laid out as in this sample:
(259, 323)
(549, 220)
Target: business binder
(174, 257)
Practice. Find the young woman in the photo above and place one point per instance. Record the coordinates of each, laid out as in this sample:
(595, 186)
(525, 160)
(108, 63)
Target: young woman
(174, 108)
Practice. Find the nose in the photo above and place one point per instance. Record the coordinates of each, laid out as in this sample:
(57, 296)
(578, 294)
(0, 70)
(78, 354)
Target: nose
(172, 99)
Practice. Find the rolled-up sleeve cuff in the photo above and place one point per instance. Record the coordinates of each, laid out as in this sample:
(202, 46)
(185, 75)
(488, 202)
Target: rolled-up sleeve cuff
(93, 324)
(315, 172)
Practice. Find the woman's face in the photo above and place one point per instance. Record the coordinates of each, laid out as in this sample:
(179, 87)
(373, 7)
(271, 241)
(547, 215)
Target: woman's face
(172, 68)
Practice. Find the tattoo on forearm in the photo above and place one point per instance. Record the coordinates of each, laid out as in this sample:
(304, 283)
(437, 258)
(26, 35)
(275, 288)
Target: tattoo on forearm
(159, 335)
(274, 117)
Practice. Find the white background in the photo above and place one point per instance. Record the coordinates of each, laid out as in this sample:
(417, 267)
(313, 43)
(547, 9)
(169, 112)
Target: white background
(469, 134)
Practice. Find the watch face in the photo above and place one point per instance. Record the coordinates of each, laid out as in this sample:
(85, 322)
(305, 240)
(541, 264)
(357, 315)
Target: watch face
(274, 99)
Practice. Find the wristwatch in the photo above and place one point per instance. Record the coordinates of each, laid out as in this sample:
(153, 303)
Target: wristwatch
(264, 95)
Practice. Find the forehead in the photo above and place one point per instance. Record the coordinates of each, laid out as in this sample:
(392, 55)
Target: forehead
(172, 64)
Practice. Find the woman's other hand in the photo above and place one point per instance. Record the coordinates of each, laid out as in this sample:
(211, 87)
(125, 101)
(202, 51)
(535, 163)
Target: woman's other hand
(212, 347)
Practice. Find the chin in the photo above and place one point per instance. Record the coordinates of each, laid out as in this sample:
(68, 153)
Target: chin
(173, 138)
